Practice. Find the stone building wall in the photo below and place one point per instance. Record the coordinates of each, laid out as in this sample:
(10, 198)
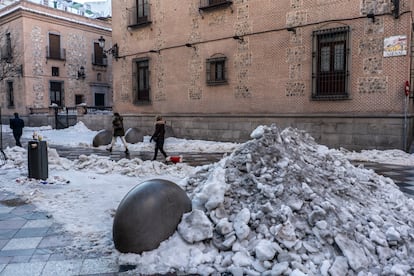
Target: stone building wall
(269, 68)
(77, 33)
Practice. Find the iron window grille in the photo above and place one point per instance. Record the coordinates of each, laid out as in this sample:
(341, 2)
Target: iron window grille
(214, 4)
(216, 70)
(139, 15)
(330, 75)
(141, 80)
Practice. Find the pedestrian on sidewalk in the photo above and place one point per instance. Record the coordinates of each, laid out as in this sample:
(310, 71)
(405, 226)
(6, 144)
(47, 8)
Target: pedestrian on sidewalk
(159, 136)
(118, 131)
(17, 125)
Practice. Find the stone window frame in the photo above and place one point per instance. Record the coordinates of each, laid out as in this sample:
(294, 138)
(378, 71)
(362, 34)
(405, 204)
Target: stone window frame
(141, 81)
(333, 82)
(214, 76)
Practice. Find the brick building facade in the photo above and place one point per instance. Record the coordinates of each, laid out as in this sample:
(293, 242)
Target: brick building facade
(216, 69)
(50, 57)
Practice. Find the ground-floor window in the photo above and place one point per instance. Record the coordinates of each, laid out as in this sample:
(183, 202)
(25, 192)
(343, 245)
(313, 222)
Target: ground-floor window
(141, 80)
(99, 99)
(56, 93)
(330, 63)
(79, 99)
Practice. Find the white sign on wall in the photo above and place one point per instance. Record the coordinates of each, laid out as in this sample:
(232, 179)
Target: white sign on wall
(395, 46)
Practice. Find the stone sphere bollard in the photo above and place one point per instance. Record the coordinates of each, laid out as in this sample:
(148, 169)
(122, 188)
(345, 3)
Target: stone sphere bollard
(134, 135)
(103, 137)
(148, 215)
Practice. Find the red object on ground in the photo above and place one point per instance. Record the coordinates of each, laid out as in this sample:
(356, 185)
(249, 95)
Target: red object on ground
(175, 159)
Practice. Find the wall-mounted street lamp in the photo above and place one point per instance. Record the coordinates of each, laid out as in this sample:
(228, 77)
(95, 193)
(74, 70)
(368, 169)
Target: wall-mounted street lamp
(155, 51)
(114, 51)
(81, 73)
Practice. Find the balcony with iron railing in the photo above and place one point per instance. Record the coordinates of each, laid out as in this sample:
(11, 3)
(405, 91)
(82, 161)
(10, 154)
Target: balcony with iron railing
(99, 60)
(74, 110)
(214, 4)
(57, 54)
(139, 16)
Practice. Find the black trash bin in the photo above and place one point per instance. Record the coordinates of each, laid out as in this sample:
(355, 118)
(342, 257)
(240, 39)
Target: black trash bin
(37, 159)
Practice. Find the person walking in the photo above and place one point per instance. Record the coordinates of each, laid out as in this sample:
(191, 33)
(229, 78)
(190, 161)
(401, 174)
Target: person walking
(158, 137)
(118, 131)
(17, 125)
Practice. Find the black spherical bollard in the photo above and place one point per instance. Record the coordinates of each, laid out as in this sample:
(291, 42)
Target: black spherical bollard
(148, 215)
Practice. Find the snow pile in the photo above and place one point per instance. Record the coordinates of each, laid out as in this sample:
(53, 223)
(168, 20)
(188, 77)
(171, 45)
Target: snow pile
(283, 205)
(393, 156)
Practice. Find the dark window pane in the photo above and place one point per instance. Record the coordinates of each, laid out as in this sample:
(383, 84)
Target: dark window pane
(54, 46)
(98, 54)
(331, 63)
(143, 80)
(10, 93)
(56, 93)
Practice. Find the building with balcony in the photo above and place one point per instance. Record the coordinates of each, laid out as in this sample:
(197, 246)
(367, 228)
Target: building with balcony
(52, 60)
(216, 69)
(93, 9)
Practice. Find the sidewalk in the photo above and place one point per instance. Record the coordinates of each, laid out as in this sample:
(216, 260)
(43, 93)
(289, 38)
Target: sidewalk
(33, 244)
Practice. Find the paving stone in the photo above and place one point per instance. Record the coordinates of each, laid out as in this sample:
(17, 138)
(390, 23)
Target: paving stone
(65, 267)
(22, 243)
(31, 232)
(24, 269)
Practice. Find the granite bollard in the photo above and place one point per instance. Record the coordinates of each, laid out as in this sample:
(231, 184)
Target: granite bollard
(148, 215)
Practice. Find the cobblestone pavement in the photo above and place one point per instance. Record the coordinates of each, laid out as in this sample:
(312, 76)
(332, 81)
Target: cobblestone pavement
(32, 243)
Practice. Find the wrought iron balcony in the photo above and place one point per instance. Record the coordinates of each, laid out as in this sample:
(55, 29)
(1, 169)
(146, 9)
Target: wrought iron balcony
(58, 54)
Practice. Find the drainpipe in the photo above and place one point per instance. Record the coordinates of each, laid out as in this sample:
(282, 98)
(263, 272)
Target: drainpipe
(407, 94)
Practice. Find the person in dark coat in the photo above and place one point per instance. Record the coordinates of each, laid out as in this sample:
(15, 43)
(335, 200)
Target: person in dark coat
(17, 125)
(158, 137)
(118, 131)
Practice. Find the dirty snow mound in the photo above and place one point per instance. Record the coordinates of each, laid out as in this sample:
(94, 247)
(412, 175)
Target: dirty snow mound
(286, 205)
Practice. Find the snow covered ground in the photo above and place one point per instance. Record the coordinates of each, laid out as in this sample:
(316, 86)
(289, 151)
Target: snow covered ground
(279, 204)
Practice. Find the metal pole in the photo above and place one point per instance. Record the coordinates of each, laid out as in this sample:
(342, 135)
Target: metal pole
(405, 121)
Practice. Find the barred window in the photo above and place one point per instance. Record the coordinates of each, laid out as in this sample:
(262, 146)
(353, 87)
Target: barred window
(330, 64)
